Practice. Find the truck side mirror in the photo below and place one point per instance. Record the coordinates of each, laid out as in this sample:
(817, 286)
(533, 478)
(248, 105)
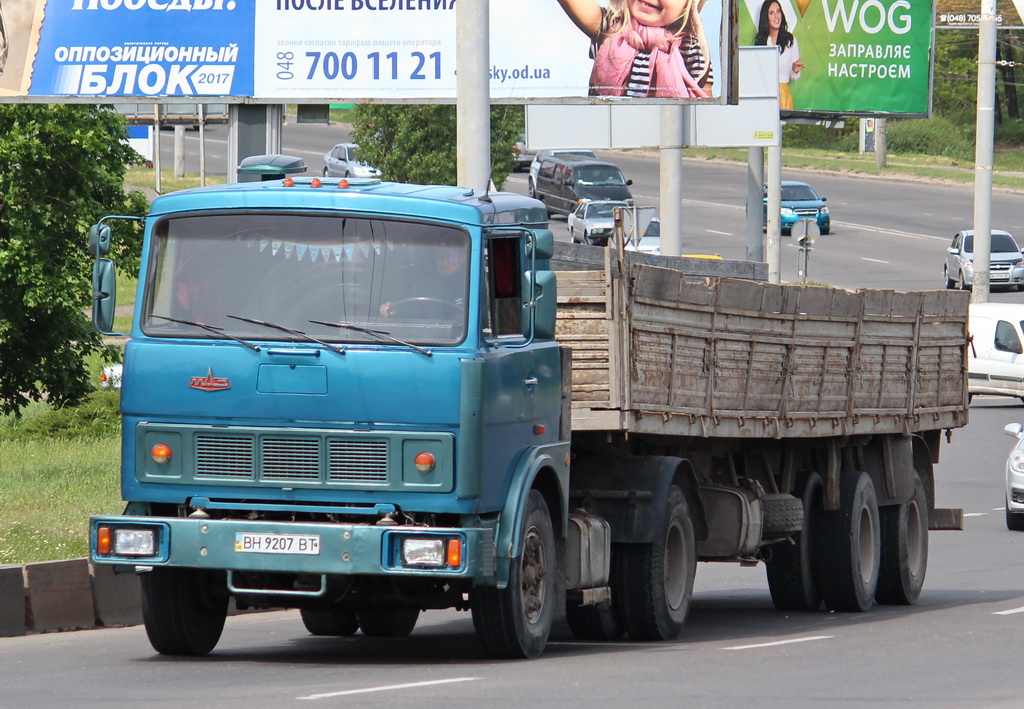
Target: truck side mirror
(104, 286)
(542, 246)
(99, 240)
(544, 304)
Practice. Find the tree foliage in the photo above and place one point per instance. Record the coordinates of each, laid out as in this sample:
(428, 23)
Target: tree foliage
(417, 143)
(63, 168)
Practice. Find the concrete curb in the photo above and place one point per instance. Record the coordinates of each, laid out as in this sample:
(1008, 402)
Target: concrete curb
(71, 594)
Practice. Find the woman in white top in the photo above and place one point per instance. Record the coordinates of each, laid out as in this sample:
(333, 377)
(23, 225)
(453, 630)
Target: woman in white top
(772, 30)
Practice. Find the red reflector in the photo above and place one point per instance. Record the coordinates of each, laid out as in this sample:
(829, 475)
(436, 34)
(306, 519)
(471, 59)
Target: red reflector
(539, 429)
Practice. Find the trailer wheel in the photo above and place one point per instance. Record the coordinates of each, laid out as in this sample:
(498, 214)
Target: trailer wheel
(904, 549)
(652, 584)
(515, 621)
(848, 546)
(792, 577)
(183, 609)
(594, 622)
(395, 622)
(333, 622)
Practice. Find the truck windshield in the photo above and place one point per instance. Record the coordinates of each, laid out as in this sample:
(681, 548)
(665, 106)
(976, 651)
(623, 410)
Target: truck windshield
(404, 278)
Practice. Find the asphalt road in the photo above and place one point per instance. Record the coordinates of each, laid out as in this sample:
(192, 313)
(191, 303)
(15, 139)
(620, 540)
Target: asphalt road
(958, 647)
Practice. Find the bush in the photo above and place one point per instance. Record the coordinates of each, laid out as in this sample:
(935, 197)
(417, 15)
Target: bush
(1010, 133)
(98, 416)
(930, 136)
(821, 137)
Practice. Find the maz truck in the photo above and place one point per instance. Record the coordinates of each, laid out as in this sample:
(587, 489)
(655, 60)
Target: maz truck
(366, 400)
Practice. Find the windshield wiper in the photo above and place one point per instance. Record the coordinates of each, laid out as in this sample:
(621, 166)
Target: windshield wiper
(290, 331)
(209, 328)
(379, 333)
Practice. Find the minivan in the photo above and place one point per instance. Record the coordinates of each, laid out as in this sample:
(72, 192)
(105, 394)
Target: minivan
(562, 183)
(995, 356)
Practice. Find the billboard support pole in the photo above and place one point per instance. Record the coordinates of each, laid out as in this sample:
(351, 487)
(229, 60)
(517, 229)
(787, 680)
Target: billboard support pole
(773, 235)
(473, 109)
(755, 204)
(984, 150)
(157, 185)
(671, 154)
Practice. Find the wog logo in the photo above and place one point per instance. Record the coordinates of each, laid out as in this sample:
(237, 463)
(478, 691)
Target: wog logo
(871, 15)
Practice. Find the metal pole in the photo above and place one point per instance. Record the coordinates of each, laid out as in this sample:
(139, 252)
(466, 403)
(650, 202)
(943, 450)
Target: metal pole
(755, 204)
(157, 186)
(671, 156)
(179, 151)
(773, 237)
(984, 151)
(881, 143)
(202, 145)
(473, 107)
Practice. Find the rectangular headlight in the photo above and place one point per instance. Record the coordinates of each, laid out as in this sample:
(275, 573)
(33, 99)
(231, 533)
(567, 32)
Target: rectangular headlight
(134, 542)
(417, 551)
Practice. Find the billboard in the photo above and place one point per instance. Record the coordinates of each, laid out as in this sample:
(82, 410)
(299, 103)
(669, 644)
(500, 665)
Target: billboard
(846, 57)
(379, 50)
(966, 13)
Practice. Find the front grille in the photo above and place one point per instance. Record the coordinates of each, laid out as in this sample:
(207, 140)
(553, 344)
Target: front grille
(290, 459)
(358, 461)
(806, 212)
(224, 457)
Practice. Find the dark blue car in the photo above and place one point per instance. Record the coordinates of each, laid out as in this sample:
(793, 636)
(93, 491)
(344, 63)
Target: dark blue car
(800, 201)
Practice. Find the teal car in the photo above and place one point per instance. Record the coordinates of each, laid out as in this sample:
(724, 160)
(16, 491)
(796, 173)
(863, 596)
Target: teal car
(801, 201)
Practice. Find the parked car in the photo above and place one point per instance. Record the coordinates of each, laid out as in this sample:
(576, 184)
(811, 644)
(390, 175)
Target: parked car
(1015, 480)
(593, 222)
(800, 201)
(522, 156)
(560, 152)
(1005, 268)
(650, 240)
(343, 161)
(563, 182)
(110, 377)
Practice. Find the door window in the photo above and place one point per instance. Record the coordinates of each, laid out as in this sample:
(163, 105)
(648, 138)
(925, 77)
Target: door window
(1006, 338)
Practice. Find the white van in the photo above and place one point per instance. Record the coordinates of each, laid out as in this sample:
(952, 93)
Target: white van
(995, 357)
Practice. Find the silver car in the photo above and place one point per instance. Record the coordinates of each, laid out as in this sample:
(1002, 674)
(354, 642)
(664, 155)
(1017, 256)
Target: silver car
(1015, 480)
(343, 161)
(1005, 267)
(593, 222)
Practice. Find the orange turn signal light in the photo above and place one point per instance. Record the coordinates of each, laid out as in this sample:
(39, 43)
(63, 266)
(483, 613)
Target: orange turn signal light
(103, 541)
(454, 553)
(424, 462)
(342, 183)
(161, 453)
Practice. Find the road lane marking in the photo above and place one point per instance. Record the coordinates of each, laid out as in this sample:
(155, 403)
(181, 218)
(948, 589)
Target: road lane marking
(1010, 612)
(975, 514)
(780, 642)
(873, 260)
(723, 233)
(389, 687)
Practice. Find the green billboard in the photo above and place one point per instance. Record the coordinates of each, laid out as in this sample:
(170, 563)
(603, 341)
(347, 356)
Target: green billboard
(846, 57)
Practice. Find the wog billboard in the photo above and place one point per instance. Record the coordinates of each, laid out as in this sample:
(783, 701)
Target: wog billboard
(379, 50)
(846, 57)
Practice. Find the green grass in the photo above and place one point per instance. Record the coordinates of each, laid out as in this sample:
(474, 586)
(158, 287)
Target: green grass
(144, 178)
(56, 468)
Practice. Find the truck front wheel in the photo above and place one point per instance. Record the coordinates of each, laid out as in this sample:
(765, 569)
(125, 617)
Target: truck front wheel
(391, 623)
(335, 623)
(904, 549)
(514, 622)
(652, 584)
(848, 546)
(183, 609)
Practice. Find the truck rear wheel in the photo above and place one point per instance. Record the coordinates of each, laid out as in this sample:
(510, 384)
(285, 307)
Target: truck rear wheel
(848, 546)
(652, 584)
(792, 577)
(335, 623)
(183, 609)
(904, 549)
(388, 623)
(515, 621)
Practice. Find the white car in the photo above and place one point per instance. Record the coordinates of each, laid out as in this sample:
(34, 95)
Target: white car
(110, 378)
(1015, 480)
(593, 222)
(343, 161)
(650, 240)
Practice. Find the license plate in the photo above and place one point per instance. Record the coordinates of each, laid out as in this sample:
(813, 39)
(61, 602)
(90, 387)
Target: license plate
(264, 543)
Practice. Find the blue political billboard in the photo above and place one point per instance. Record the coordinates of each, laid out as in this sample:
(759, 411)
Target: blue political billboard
(351, 50)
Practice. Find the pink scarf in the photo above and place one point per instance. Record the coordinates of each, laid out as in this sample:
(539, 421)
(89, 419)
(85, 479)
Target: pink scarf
(669, 75)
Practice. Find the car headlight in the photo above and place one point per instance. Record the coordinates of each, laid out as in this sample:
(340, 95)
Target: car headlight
(787, 212)
(823, 210)
(1016, 461)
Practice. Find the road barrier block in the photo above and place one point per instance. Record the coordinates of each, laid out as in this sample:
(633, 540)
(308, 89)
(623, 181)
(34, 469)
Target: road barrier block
(59, 596)
(12, 600)
(117, 598)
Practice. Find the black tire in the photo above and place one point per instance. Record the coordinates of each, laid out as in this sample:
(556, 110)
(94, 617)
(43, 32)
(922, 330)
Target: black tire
(1014, 520)
(388, 623)
(514, 622)
(531, 188)
(781, 515)
(336, 623)
(825, 231)
(848, 546)
(595, 622)
(904, 547)
(963, 282)
(327, 173)
(183, 610)
(950, 283)
(652, 584)
(792, 574)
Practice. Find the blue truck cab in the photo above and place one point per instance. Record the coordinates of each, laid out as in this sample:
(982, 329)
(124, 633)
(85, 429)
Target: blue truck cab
(342, 396)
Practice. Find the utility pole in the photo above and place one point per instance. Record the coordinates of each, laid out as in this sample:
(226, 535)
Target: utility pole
(984, 151)
(473, 94)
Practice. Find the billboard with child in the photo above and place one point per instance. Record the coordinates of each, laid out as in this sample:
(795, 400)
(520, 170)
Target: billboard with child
(380, 50)
(846, 57)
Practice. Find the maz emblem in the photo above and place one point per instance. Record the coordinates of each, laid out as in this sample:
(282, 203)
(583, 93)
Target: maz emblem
(209, 382)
